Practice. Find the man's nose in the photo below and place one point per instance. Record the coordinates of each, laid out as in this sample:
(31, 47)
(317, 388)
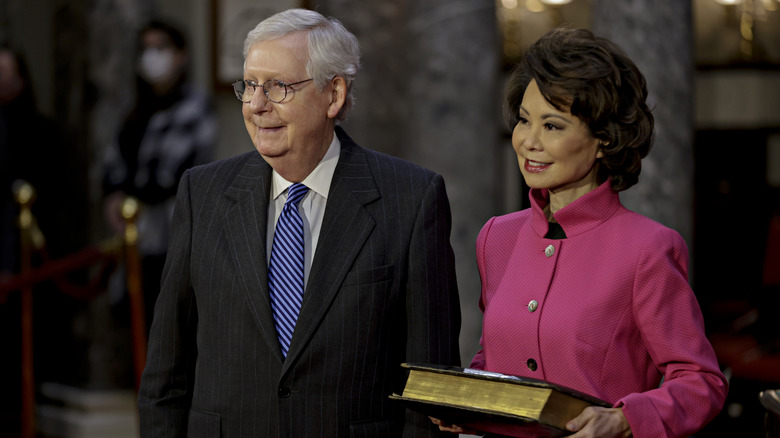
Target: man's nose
(259, 100)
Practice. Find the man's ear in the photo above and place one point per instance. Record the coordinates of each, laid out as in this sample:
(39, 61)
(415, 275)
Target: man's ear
(338, 96)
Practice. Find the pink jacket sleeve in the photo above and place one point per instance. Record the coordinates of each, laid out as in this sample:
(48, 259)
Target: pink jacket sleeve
(667, 313)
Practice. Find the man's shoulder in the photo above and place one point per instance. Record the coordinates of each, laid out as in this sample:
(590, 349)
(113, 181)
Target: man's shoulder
(224, 164)
(382, 162)
(386, 161)
(226, 168)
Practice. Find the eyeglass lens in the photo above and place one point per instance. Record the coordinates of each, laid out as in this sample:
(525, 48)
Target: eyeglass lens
(275, 90)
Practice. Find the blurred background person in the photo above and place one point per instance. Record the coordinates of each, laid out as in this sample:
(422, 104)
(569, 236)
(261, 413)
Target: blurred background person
(171, 128)
(12, 86)
(31, 149)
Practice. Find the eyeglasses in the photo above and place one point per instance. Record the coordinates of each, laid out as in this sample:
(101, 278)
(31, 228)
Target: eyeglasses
(274, 89)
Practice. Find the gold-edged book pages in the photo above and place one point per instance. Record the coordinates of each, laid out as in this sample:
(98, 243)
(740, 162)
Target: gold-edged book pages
(492, 402)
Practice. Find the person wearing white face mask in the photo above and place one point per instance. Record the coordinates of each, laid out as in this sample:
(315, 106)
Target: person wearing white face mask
(159, 65)
(171, 127)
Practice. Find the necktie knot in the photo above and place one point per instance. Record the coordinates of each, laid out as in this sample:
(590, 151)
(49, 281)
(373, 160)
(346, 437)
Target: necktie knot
(295, 193)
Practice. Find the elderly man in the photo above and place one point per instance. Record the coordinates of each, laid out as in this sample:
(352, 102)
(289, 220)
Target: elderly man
(300, 275)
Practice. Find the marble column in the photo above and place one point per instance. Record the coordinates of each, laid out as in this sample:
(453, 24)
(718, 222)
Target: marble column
(429, 92)
(657, 35)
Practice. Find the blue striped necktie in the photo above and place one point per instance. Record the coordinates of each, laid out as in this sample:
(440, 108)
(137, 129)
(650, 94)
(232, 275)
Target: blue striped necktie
(285, 271)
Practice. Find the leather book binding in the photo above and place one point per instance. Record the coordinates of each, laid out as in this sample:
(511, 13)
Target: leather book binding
(492, 402)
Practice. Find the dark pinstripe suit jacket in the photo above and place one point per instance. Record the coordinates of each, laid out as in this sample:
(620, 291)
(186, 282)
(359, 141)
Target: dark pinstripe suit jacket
(381, 291)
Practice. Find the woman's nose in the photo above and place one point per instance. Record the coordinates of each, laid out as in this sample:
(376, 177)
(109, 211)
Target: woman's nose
(527, 138)
(532, 141)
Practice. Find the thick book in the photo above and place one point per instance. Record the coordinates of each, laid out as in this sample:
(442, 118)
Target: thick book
(492, 402)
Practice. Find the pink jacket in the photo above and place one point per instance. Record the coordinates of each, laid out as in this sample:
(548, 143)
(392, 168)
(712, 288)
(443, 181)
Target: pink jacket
(607, 311)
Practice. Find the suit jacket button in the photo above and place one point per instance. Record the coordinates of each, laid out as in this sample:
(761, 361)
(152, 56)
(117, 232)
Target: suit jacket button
(284, 392)
(531, 364)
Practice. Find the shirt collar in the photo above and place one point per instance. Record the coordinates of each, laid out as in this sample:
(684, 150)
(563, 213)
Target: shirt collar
(319, 179)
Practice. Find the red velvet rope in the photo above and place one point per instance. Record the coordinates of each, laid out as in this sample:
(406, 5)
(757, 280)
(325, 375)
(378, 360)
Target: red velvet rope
(57, 270)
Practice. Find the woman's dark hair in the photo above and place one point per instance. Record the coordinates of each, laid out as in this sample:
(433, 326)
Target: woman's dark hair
(595, 80)
(173, 32)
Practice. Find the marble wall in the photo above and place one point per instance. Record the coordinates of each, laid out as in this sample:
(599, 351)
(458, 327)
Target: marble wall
(658, 37)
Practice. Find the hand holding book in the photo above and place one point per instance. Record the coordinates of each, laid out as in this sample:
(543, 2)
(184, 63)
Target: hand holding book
(595, 421)
(452, 428)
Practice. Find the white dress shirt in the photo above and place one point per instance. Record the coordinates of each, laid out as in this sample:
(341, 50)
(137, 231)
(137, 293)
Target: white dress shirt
(312, 206)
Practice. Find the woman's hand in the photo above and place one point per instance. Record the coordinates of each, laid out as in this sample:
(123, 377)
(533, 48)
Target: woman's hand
(599, 422)
(447, 427)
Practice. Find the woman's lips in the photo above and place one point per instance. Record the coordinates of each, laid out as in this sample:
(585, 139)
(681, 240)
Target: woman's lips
(535, 166)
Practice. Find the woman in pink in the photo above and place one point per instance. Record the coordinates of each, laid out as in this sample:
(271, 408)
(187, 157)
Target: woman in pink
(577, 290)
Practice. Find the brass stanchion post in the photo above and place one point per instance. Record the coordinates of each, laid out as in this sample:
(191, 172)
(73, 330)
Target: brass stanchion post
(133, 264)
(30, 237)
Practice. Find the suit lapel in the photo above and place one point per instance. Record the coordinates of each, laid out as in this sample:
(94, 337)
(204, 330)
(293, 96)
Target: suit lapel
(346, 226)
(247, 221)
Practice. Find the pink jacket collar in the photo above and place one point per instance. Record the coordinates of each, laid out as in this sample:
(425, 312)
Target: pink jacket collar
(585, 213)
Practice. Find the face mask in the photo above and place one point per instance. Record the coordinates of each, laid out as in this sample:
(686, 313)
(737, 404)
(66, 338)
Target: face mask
(156, 64)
